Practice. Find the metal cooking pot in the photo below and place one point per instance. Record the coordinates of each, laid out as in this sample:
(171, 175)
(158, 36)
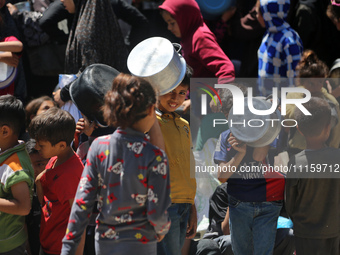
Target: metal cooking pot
(255, 130)
(88, 90)
(156, 60)
(7, 74)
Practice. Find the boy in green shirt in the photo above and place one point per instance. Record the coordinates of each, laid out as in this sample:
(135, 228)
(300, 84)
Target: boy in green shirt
(16, 175)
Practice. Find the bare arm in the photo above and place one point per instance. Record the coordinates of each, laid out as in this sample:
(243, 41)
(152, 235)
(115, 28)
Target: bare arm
(80, 248)
(12, 46)
(39, 189)
(9, 58)
(234, 162)
(192, 223)
(69, 5)
(241, 149)
(225, 224)
(21, 202)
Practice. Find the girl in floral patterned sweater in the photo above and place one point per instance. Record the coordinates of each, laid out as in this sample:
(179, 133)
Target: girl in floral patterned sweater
(128, 174)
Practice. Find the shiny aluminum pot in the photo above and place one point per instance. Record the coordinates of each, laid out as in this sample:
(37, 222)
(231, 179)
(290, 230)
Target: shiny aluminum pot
(255, 130)
(156, 60)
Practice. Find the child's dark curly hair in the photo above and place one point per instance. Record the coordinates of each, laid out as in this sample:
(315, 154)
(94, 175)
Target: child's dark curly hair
(311, 66)
(127, 101)
(333, 11)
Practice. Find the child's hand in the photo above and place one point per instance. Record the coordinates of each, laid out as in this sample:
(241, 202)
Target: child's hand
(213, 107)
(83, 126)
(159, 237)
(79, 129)
(57, 98)
(9, 58)
(69, 5)
(186, 105)
(192, 223)
(88, 126)
(80, 126)
(12, 8)
(40, 192)
(236, 144)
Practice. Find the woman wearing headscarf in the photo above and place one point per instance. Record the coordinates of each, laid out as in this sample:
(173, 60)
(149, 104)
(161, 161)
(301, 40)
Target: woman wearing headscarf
(95, 36)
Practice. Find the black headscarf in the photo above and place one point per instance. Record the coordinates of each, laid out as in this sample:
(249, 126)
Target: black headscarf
(95, 37)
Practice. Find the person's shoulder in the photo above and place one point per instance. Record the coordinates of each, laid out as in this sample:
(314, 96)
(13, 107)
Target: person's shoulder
(203, 33)
(225, 134)
(330, 151)
(290, 36)
(154, 150)
(298, 156)
(104, 139)
(329, 96)
(13, 156)
(74, 162)
(184, 121)
(294, 95)
(203, 40)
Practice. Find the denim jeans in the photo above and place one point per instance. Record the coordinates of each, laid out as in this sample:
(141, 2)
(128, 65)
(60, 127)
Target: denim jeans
(253, 226)
(16, 251)
(174, 239)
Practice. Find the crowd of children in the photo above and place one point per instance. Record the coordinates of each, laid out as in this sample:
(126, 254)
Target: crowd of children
(121, 179)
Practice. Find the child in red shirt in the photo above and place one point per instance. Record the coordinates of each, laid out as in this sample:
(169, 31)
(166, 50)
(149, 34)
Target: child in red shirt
(56, 186)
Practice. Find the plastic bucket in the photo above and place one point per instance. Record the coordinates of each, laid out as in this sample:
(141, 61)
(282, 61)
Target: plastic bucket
(212, 9)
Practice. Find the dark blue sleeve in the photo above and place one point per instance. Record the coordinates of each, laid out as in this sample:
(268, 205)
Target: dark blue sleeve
(222, 148)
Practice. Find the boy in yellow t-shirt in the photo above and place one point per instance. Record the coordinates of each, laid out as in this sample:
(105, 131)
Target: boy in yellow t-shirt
(177, 139)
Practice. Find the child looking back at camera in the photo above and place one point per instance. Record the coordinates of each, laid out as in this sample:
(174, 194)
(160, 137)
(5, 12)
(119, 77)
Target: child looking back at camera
(313, 191)
(128, 174)
(56, 186)
(177, 139)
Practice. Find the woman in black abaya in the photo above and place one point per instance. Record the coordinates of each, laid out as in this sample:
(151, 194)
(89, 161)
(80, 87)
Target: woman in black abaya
(95, 36)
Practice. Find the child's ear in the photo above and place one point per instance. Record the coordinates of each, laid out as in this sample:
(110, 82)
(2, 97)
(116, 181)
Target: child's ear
(328, 129)
(6, 131)
(62, 145)
(32, 116)
(297, 127)
(151, 110)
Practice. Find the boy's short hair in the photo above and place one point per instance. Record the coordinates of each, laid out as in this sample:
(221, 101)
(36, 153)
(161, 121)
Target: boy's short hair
(54, 125)
(188, 74)
(311, 66)
(227, 98)
(312, 125)
(12, 113)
